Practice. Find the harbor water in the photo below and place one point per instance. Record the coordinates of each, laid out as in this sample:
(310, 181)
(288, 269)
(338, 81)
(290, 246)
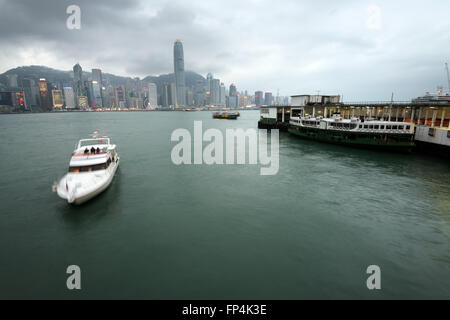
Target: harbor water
(163, 231)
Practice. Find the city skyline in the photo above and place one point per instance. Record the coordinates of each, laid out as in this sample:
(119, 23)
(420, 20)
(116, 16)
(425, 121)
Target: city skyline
(362, 50)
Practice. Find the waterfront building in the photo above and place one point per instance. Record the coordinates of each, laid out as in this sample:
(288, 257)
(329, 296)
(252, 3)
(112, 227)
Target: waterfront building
(31, 94)
(199, 93)
(233, 100)
(13, 82)
(57, 99)
(79, 86)
(223, 92)
(189, 97)
(110, 93)
(83, 102)
(180, 84)
(97, 76)
(259, 100)
(5, 100)
(268, 98)
(106, 99)
(136, 103)
(244, 101)
(169, 95)
(209, 78)
(95, 95)
(44, 95)
(152, 95)
(120, 96)
(215, 91)
(69, 98)
(233, 90)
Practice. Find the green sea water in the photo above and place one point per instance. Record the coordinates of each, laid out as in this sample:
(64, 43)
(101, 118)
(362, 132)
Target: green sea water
(163, 231)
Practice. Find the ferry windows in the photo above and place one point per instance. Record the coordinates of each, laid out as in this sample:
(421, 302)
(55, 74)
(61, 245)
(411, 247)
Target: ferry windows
(408, 127)
(394, 127)
(376, 127)
(371, 126)
(388, 127)
(366, 126)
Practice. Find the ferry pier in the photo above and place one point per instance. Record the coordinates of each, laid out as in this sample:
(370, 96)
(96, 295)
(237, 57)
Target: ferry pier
(429, 117)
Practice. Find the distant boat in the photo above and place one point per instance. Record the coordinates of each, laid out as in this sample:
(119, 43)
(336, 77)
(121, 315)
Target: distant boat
(226, 115)
(92, 167)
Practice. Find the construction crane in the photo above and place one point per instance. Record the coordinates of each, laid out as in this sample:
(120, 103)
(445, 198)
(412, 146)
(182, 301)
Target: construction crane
(448, 76)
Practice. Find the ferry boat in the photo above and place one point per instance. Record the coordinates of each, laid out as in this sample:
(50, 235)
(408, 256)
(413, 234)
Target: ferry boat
(91, 170)
(226, 115)
(372, 134)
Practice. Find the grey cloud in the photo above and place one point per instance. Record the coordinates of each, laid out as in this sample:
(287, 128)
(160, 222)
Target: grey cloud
(296, 46)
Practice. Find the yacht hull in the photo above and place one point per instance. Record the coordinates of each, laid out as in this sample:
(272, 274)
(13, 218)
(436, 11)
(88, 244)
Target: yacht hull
(78, 196)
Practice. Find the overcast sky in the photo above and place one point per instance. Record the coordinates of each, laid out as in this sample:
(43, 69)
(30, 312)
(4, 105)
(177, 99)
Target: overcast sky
(363, 50)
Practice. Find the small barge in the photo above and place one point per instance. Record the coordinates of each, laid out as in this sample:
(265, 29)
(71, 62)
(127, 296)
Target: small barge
(226, 115)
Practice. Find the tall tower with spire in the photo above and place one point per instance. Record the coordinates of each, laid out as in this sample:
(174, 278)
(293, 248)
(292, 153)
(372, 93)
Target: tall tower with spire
(180, 82)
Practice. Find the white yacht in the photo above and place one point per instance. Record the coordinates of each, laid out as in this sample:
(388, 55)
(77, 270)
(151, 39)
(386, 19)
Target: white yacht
(92, 167)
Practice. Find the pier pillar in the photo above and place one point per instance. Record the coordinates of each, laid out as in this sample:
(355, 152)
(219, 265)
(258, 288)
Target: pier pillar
(325, 111)
(442, 117)
(412, 114)
(420, 115)
(426, 118)
(314, 112)
(282, 116)
(433, 119)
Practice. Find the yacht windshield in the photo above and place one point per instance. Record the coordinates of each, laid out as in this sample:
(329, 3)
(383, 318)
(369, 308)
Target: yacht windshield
(90, 142)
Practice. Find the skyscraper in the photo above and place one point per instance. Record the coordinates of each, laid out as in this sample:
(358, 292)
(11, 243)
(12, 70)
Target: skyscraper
(97, 76)
(152, 95)
(223, 98)
(199, 93)
(120, 96)
(45, 95)
(97, 87)
(259, 100)
(78, 81)
(69, 98)
(180, 84)
(12, 80)
(268, 98)
(233, 101)
(30, 93)
(215, 92)
(57, 99)
(168, 95)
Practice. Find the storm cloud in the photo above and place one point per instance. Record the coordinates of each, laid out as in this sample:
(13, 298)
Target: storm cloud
(363, 50)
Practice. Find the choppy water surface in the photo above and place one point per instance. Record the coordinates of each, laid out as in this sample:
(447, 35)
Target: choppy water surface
(213, 232)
